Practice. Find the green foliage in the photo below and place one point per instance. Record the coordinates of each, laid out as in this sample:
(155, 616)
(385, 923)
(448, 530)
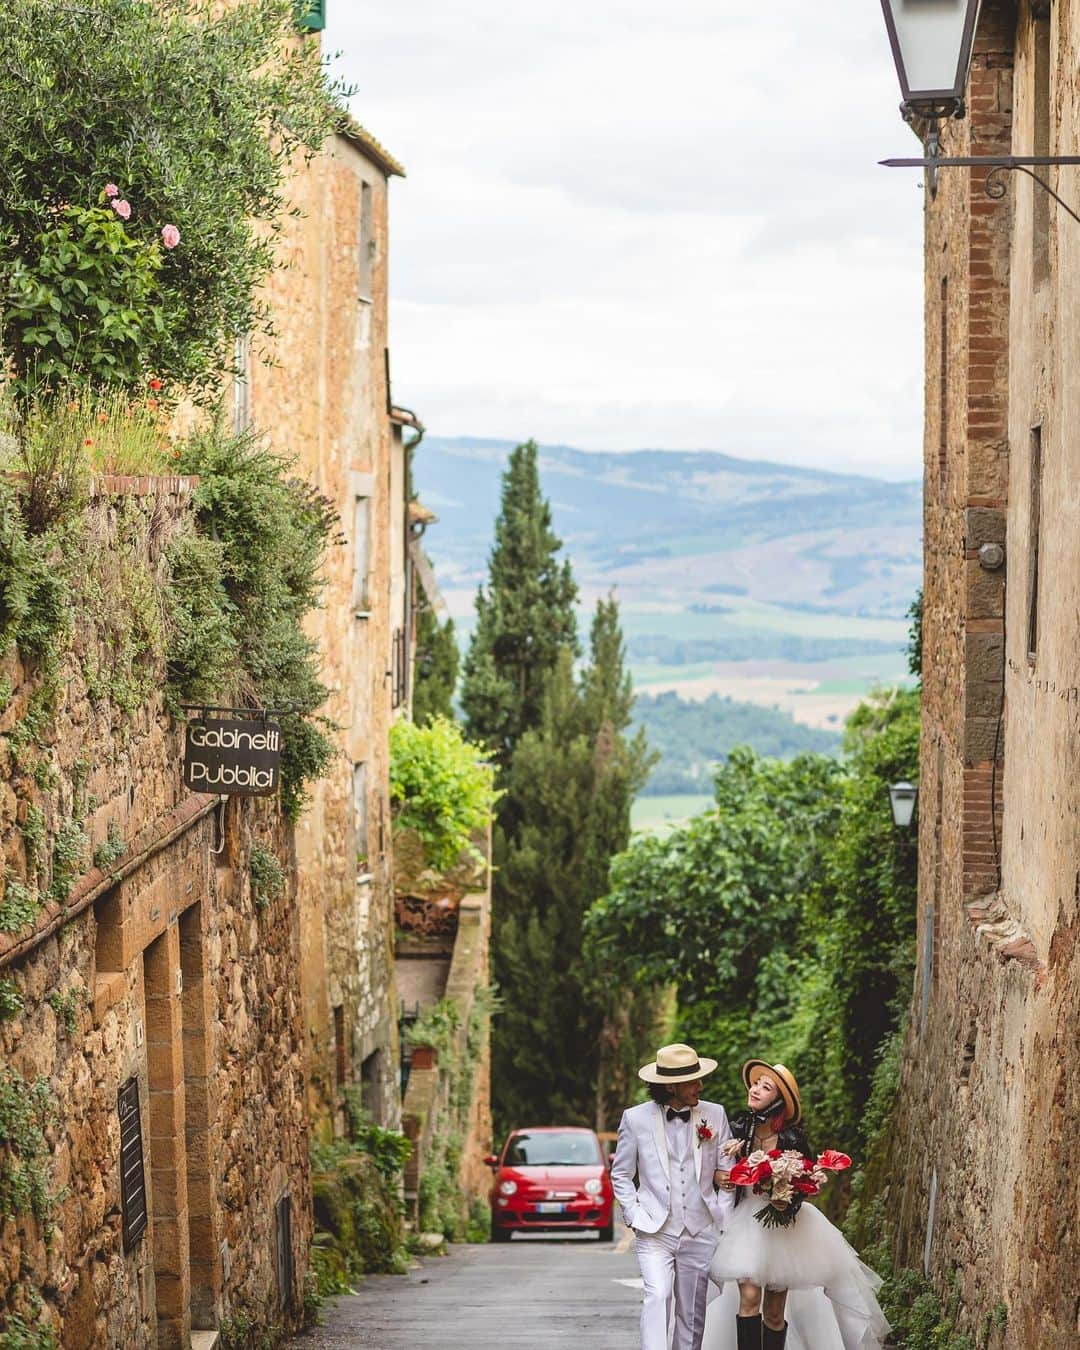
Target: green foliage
(26, 1112)
(692, 736)
(70, 844)
(915, 614)
(267, 876)
(437, 661)
(242, 640)
(241, 1331)
(18, 1334)
(441, 789)
(85, 298)
(570, 773)
(524, 617)
(33, 832)
(11, 1003)
(358, 1211)
(437, 1027)
(111, 850)
(195, 112)
(66, 1006)
(19, 907)
(785, 917)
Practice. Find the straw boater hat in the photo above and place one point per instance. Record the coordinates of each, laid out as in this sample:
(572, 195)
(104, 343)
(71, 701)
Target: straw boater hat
(785, 1082)
(676, 1064)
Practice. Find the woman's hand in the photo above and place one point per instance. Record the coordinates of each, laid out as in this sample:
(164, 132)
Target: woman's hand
(732, 1147)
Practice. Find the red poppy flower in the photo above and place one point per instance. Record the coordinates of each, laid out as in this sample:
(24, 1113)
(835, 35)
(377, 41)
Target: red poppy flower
(833, 1161)
(155, 384)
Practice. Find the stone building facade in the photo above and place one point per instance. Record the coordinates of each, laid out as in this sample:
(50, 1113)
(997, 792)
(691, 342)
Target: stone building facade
(982, 1180)
(154, 1000)
(325, 399)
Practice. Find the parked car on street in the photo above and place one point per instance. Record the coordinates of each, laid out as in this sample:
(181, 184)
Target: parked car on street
(549, 1179)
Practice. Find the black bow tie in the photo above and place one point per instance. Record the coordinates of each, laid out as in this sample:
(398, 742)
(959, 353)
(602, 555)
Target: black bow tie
(672, 1114)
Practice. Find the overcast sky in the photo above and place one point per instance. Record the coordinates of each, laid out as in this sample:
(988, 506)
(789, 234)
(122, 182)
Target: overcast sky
(629, 224)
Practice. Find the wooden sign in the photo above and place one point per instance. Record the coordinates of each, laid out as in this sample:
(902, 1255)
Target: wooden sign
(240, 758)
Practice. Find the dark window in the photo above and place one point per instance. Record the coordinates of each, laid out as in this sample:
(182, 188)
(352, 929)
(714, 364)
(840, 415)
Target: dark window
(1034, 529)
(553, 1148)
(284, 1251)
(370, 1082)
(341, 1050)
(132, 1176)
(400, 667)
(367, 243)
(1040, 205)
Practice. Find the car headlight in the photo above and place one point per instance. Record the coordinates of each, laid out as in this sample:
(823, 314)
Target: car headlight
(507, 1187)
(593, 1186)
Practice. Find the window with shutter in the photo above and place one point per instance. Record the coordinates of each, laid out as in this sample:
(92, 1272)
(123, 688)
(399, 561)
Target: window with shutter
(283, 1241)
(132, 1175)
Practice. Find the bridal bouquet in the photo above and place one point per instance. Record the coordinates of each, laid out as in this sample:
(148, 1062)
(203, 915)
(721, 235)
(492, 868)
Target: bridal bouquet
(787, 1178)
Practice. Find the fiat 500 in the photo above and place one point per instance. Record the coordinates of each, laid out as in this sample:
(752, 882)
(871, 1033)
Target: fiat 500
(548, 1179)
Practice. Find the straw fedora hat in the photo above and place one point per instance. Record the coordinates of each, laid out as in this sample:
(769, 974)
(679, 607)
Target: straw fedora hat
(676, 1064)
(785, 1081)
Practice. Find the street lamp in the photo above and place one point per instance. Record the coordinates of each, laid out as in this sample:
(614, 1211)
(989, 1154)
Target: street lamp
(932, 44)
(902, 799)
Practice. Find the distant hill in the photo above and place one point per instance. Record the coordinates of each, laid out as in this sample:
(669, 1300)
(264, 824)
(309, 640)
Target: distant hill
(682, 529)
(692, 737)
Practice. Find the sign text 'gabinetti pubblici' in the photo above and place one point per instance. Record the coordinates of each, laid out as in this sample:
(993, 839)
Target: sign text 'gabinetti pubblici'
(242, 758)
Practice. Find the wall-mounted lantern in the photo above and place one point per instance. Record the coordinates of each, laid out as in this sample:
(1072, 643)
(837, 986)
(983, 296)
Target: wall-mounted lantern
(932, 45)
(902, 799)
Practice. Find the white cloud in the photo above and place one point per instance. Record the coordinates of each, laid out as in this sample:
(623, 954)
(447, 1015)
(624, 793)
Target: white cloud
(628, 224)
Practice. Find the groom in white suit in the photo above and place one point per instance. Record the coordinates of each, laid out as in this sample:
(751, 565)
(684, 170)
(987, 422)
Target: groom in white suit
(662, 1174)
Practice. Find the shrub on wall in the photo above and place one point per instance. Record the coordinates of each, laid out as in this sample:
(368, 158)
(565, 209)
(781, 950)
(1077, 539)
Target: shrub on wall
(146, 147)
(441, 788)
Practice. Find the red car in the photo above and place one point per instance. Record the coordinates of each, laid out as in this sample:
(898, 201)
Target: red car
(548, 1179)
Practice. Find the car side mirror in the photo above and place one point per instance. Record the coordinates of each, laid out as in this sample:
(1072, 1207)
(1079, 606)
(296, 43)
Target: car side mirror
(490, 1160)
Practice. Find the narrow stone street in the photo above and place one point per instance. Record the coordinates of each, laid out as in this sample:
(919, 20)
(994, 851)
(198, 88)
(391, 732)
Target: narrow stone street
(566, 1292)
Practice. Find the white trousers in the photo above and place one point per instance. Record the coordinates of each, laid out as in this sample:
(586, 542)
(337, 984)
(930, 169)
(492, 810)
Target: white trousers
(675, 1270)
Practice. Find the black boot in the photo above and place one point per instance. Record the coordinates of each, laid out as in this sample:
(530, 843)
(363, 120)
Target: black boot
(773, 1340)
(748, 1331)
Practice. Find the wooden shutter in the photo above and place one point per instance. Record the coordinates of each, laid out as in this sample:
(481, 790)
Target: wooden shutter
(132, 1175)
(286, 1275)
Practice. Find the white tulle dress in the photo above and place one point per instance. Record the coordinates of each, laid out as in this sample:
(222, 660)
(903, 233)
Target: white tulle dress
(831, 1304)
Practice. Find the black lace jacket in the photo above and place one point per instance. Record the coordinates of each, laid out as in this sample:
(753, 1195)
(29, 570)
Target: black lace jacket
(790, 1136)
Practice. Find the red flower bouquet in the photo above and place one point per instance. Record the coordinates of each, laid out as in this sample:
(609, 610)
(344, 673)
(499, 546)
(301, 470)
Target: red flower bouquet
(786, 1178)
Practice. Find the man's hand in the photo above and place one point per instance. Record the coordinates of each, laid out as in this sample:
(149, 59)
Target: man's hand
(721, 1182)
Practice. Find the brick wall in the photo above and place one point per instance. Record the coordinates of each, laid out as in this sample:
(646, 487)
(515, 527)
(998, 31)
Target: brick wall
(988, 1089)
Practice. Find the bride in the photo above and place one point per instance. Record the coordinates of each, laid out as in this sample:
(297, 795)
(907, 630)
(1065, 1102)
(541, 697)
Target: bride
(798, 1287)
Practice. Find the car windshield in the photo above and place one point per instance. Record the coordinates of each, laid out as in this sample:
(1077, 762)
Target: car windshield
(551, 1149)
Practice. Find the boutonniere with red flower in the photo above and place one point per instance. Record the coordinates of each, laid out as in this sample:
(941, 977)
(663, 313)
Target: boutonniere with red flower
(703, 1131)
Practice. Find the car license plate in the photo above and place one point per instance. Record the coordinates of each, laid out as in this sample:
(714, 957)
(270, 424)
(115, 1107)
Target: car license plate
(548, 1208)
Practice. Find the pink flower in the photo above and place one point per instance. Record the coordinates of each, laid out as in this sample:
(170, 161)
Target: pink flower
(170, 236)
(111, 190)
(122, 209)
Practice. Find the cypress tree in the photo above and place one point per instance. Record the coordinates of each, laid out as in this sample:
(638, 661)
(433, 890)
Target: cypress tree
(524, 617)
(569, 775)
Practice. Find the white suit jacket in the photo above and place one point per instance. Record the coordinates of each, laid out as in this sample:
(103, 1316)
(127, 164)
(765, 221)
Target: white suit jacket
(640, 1169)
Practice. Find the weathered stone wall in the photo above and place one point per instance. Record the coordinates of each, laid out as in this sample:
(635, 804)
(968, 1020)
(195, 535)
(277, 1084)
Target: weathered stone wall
(325, 400)
(989, 1086)
(172, 975)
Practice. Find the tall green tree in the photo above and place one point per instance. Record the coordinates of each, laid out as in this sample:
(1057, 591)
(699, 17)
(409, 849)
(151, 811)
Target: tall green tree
(561, 1041)
(569, 773)
(437, 662)
(524, 616)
